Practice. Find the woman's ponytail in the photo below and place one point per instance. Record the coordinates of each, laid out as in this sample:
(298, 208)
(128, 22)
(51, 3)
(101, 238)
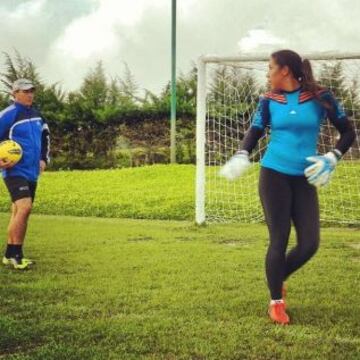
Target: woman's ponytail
(308, 81)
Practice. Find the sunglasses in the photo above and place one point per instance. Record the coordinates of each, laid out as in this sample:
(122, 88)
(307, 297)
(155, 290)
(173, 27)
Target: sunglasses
(29, 91)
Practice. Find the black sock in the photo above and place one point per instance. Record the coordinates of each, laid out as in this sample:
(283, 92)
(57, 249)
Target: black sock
(14, 251)
(9, 250)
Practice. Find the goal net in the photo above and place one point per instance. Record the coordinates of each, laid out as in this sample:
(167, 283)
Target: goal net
(228, 93)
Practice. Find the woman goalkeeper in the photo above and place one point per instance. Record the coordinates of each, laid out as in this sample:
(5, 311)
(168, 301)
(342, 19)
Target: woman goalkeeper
(291, 171)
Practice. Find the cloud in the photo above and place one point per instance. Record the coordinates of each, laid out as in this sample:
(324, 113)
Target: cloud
(259, 40)
(95, 33)
(30, 8)
(119, 31)
(66, 37)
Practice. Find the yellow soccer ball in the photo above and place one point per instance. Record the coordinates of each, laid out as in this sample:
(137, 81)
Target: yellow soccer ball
(10, 151)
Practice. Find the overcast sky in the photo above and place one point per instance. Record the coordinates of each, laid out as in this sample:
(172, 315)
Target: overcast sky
(65, 38)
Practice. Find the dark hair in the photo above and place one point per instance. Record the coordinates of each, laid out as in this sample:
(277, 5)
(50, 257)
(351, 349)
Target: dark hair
(300, 69)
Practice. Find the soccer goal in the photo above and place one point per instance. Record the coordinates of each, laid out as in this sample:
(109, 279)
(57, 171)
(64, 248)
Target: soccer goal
(227, 96)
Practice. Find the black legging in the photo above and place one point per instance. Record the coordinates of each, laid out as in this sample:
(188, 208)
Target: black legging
(285, 198)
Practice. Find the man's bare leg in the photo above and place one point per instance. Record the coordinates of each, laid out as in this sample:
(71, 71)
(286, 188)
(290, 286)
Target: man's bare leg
(13, 213)
(20, 212)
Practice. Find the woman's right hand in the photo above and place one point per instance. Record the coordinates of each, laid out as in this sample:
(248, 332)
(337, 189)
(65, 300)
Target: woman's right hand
(236, 166)
(6, 164)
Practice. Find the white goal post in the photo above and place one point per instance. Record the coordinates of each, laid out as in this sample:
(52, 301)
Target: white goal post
(228, 91)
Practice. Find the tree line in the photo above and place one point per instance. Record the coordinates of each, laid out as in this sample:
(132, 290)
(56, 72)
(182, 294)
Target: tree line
(112, 122)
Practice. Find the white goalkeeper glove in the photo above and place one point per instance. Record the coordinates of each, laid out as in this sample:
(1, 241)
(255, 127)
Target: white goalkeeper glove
(236, 166)
(319, 173)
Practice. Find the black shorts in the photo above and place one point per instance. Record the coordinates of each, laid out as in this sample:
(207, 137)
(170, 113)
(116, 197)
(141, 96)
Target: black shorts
(20, 188)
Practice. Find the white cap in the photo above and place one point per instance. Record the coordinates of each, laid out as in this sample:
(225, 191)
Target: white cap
(22, 84)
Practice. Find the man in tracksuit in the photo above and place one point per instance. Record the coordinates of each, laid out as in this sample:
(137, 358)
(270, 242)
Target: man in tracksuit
(22, 123)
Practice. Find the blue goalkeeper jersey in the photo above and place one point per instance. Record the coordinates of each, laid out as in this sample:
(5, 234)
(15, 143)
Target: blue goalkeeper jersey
(294, 119)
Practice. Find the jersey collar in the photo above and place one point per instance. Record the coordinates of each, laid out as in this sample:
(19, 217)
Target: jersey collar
(22, 107)
(280, 95)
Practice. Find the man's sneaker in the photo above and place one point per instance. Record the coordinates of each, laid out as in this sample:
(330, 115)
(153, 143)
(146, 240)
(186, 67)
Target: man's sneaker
(278, 314)
(16, 263)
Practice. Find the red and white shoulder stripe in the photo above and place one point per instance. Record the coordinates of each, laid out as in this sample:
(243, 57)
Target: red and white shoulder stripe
(278, 97)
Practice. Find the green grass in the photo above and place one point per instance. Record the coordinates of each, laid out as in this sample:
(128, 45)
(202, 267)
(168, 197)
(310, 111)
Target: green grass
(153, 192)
(139, 289)
(168, 192)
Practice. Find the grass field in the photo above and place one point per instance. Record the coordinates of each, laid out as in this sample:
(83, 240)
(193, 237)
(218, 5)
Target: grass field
(153, 192)
(140, 289)
(167, 192)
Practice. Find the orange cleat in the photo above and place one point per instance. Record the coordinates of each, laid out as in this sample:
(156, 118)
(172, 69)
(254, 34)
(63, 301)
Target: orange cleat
(278, 314)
